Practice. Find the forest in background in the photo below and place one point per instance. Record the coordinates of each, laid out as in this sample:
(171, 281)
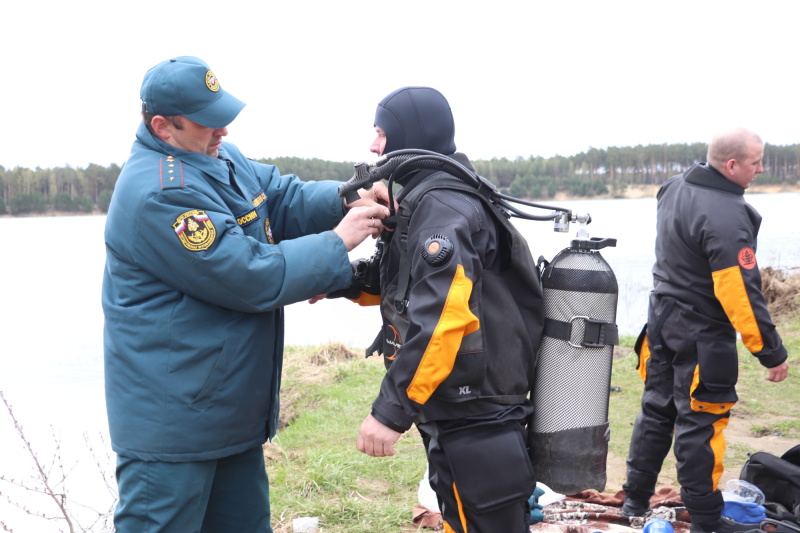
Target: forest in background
(594, 173)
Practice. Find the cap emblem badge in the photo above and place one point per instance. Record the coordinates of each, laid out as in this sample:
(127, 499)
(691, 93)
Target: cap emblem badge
(211, 81)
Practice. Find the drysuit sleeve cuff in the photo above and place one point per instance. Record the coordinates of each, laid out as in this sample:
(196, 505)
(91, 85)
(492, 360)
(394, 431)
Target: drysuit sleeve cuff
(400, 427)
(773, 359)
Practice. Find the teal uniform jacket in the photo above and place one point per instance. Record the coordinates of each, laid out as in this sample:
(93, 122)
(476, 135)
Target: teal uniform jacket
(196, 276)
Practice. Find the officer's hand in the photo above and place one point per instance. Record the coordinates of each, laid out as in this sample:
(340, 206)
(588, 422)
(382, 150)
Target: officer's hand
(778, 373)
(360, 223)
(377, 195)
(375, 439)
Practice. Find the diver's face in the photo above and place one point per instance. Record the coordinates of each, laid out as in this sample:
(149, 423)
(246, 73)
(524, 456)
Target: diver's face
(379, 144)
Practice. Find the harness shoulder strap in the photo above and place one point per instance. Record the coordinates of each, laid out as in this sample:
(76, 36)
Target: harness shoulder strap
(407, 207)
(442, 180)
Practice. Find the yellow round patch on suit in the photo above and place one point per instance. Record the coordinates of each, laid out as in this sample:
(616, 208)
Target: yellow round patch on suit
(195, 230)
(211, 81)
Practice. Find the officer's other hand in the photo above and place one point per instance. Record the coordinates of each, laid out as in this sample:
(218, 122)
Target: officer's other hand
(375, 439)
(377, 195)
(360, 223)
(778, 373)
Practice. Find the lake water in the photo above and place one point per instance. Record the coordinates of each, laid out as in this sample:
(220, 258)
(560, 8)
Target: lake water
(51, 321)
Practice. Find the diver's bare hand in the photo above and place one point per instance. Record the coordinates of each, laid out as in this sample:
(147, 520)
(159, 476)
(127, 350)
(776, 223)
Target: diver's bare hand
(778, 373)
(375, 439)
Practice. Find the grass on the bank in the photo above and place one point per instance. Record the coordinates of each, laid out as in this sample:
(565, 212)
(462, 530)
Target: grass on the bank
(315, 469)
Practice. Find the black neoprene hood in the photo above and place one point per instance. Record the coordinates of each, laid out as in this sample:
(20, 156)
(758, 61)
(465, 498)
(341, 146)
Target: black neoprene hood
(417, 117)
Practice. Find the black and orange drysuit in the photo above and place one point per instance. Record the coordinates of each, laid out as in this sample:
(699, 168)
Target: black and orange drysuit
(707, 286)
(460, 354)
(462, 316)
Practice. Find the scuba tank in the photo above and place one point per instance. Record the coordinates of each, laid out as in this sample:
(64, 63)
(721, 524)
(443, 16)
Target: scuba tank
(569, 431)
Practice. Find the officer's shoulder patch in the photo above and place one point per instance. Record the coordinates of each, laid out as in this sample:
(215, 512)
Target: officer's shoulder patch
(437, 249)
(170, 172)
(195, 230)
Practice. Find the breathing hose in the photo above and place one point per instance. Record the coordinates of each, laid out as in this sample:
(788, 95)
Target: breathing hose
(396, 163)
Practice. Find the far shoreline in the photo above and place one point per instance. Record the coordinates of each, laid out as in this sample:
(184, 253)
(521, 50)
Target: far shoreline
(631, 192)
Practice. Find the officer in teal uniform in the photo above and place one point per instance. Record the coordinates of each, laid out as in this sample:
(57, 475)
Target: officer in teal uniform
(204, 248)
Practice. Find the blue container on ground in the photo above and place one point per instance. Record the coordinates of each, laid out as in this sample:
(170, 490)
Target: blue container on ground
(658, 525)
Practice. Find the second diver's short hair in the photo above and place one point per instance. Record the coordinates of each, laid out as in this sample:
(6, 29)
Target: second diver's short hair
(732, 144)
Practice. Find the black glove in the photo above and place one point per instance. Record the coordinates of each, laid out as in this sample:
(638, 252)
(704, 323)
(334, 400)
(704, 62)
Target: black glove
(366, 278)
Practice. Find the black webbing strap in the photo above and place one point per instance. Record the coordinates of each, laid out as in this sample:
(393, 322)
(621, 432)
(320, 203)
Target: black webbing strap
(655, 335)
(376, 346)
(596, 333)
(404, 269)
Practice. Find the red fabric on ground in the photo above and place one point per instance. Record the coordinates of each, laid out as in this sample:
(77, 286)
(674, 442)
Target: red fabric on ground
(590, 511)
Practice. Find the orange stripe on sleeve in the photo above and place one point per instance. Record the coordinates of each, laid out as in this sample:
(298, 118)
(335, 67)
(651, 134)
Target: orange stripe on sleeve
(731, 292)
(455, 322)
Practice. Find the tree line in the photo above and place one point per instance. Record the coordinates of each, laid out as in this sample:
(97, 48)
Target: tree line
(596, 172)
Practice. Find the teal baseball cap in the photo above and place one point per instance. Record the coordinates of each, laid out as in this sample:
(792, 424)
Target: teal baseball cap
(185, 86)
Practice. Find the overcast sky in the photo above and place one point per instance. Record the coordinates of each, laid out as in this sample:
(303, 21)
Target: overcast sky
(523, 77)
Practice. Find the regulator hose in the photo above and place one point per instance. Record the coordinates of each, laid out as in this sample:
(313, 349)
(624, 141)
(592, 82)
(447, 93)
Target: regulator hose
(395, 163)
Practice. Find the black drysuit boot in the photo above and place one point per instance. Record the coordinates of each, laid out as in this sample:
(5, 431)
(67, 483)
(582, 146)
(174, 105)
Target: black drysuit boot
(723, 525)
(634, 507)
